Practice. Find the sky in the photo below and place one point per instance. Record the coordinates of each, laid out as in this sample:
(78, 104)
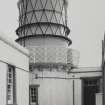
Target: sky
(86, 20)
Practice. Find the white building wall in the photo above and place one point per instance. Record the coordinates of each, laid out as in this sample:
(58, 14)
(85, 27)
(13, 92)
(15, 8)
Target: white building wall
(13, 54)
(54, 92)
(77, 92)
(22, 87)
(61, 88)
(3, 78)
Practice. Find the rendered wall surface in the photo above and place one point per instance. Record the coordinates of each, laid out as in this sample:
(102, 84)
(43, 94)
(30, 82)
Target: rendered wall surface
(22, 84)
(3, 81)
(53, 91)
(13, 56)
(60, 87)
(77, 92)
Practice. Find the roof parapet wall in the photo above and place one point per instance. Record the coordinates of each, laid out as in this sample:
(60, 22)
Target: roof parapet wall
(13, 44)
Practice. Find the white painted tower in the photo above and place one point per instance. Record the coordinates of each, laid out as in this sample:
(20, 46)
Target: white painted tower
(43, 30)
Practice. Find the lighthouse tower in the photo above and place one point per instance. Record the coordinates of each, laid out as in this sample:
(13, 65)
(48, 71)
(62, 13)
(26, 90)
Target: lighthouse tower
(44, 32)
(43, 22)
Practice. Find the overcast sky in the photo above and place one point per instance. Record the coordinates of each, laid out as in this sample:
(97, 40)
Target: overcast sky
(86, 19)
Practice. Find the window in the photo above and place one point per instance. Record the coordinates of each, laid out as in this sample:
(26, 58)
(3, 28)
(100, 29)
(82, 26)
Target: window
(11, 98)
(34, 95)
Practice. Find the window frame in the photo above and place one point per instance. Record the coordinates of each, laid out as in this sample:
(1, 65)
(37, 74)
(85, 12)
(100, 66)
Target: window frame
(12, 84)
(36, 87)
